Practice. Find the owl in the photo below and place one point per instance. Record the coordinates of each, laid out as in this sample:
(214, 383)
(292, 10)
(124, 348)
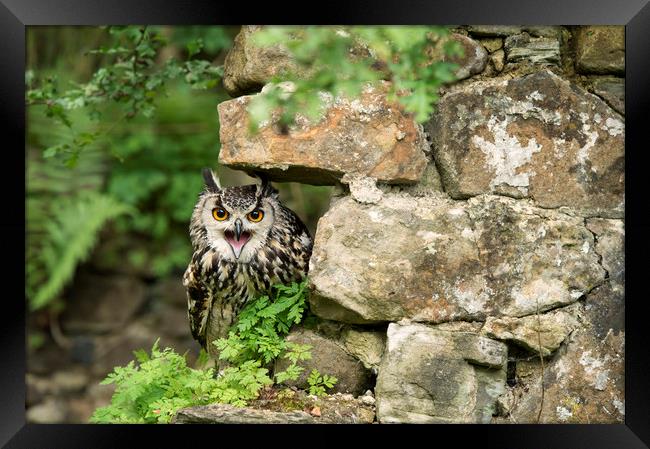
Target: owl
(244, 241)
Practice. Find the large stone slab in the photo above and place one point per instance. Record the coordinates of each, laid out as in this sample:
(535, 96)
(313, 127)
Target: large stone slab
(285, 407)
(612, 90)
(583, 381)
(600, 49)
(328, 357)
(507, 30)
(537, 50)
(540, 334)
(606, 304)
(472, 61)
(248, 67)
(535, 136)
(428, 375)
(367, 136)
(434, 259)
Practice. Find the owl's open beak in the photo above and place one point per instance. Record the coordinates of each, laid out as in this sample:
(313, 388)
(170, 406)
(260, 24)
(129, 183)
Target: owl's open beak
(238, 228)
(237, 239)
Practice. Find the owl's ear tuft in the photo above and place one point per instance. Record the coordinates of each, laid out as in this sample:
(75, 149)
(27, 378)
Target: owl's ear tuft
(264, 187)
(211, 181)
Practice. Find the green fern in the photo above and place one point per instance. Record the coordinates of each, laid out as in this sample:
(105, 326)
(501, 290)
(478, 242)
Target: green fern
(67, 236)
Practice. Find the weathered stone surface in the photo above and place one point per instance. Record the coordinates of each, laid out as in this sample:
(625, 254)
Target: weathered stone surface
(366, 136)
(494, 30)
(328, 357)
(605, 306)
(429, 376)
(498, 59)
(583, 382)
(367, 346)
(102, 303)
(248, 67)
(536, 136)
(285, 407)
(612, 90)
(444, 260)
(610, 244)
(473, 60)
(229, 414)
(539, 334)
(507, 30)
(362, 188)
(427, 185)
(541, 50)
(492, 44)
(600, 49)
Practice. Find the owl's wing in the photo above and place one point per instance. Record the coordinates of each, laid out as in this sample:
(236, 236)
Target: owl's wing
(199, 301)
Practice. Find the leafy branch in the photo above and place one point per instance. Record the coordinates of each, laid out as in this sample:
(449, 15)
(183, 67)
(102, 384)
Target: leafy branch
(342, 60)
(131, 79)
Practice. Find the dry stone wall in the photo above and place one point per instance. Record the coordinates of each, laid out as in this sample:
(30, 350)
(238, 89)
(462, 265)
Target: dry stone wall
(471, 269)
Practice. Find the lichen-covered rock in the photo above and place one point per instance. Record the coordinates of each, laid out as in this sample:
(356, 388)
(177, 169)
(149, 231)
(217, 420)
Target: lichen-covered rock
(498, 59)
(492, 44)
(494, 30)
(430, 183)
(584, 380)
(473, 59)
(536, 136)
(507, 30)
(540, 50)
(367, 136)
(367, 346)
(248, 67)
(610, 245)
(328, 357)
(612, 90)
(600, 49)
(432, 376)
(605, 305)
(285, 407)
(541, 333)
(443, 260)
(362, 188)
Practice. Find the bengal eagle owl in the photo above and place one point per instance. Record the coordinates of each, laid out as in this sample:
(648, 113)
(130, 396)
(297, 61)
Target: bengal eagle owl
(244, 240)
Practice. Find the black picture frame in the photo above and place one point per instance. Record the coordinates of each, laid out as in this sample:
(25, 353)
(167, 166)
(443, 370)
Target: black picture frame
(15, 15)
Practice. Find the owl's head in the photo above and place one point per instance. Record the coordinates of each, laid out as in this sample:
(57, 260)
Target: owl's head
(235, 221)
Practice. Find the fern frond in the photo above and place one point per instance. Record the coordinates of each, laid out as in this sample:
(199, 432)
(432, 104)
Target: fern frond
(70, 235)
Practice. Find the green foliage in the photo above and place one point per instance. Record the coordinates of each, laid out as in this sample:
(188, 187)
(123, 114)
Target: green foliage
(160, 176)
(158, 385)
(158, 144)
(68, 237)
(152, 390)
(341, 60)
(318, 383)
(262, 324)
(131, 78)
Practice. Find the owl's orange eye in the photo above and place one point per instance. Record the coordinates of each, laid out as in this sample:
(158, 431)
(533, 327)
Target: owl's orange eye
(255, 216)
(219, 214)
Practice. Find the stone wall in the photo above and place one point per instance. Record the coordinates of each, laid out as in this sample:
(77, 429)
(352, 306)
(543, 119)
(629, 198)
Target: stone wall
(475, 264)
